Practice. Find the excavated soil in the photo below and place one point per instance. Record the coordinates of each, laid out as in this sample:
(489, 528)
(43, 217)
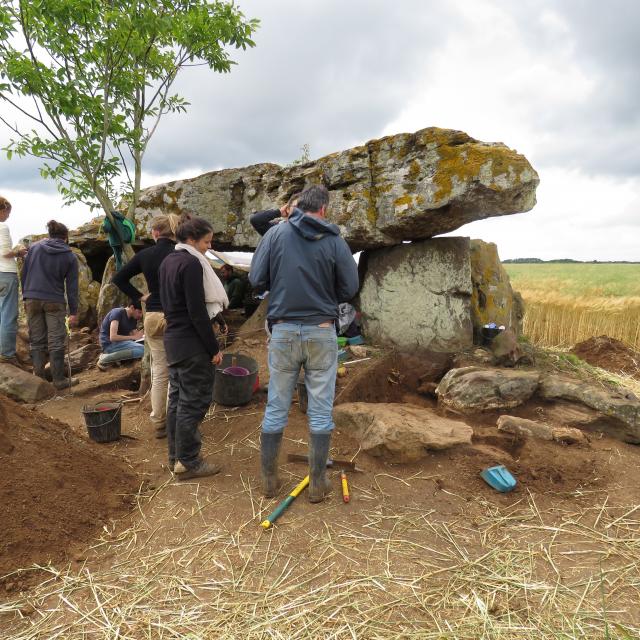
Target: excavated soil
(610, 354)
(56, 489)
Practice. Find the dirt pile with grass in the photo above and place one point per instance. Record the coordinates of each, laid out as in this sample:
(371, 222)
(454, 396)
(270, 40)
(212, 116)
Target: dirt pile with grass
(610, 354)
(56, 489)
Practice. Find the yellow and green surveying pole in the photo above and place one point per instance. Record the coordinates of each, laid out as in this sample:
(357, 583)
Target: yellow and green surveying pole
(282, 507)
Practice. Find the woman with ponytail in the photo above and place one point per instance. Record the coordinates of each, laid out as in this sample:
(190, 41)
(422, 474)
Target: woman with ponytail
(147, 262)
(49, 273)
(192, 295)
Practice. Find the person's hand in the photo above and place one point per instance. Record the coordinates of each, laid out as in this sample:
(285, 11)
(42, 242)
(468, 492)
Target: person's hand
(137, 334)
(145, 297)
(73, 321)
(217, 359)
(285, 210)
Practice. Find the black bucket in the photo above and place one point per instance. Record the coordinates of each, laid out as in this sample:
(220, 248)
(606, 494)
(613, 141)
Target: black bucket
(235, 390)
(103, 421)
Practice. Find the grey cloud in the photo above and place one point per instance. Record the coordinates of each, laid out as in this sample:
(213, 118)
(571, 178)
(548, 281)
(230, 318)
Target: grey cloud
(599, 136)
(330, 74)
(22, 174)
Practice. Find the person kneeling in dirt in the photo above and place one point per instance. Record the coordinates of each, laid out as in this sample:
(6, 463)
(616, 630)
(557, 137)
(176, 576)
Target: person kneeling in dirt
(308, 269)
(48, 269)
(119, 333)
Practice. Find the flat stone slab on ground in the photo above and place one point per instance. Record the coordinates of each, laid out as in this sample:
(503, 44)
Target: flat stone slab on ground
(622, 413)
(399, 432)
(479, 389)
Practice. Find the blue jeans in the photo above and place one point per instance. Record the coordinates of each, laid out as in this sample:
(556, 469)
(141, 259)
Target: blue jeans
(137, 348)
(8, 313)
(299, 345)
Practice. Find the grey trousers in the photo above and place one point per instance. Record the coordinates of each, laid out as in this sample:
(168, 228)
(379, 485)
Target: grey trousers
(47, 329)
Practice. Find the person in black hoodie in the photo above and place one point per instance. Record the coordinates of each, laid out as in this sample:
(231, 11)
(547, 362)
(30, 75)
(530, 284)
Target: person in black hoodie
(147, 262)
(48, 267)
(191, 347)
(262, 221)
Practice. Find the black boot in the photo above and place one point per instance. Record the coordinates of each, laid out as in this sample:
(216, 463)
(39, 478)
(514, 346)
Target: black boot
(270, 448)
(60, 381)
(319, 485)
(39, 360)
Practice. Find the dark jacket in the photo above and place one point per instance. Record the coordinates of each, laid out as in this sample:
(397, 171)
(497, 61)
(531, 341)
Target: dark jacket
(262, 221)
(307, 268)
(48, 266)
(188, 330)
(235, 288)
(148, 262)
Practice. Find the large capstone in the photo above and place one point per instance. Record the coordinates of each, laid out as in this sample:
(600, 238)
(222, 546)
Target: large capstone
(402, 187)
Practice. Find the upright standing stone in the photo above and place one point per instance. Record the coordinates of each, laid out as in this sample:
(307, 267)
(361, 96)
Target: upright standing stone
(418, 295)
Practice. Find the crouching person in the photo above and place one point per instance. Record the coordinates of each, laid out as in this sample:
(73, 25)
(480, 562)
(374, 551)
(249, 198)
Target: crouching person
(49, 267)
(308, 269)
(118, 335)
(187, 281)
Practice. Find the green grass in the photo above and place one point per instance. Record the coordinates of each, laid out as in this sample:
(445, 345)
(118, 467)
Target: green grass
(577, 280)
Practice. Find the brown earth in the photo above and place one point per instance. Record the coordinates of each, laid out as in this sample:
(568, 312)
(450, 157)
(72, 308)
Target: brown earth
(56, 488)
(422, 503)
(610, 354)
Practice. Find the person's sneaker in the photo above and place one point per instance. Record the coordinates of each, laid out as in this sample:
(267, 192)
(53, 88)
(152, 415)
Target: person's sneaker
(202, 470)
(160, 432)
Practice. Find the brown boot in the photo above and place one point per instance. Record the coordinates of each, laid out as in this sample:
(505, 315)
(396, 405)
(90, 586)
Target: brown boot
(201, 470)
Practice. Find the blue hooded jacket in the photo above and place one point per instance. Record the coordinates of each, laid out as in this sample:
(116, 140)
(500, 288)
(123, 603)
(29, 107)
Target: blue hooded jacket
(307, 268)
(48, 266)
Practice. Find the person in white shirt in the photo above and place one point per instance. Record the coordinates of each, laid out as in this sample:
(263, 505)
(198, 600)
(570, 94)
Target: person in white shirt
(8, 288)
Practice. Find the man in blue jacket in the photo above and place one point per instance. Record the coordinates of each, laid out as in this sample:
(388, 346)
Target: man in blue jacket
(308, 269)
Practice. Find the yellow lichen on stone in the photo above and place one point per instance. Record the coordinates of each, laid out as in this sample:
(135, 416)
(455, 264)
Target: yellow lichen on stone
(465, 162)
(405, 200)
(414, 171)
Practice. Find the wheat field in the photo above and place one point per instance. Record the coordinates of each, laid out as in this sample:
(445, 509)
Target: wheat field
(568, 303)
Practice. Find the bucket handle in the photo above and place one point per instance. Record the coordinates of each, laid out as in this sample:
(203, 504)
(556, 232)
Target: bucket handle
(115, 415)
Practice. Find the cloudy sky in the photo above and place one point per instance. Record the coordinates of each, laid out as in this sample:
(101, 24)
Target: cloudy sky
(558, 80)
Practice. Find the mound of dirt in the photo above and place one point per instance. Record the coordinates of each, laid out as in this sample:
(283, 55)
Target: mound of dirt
(610, 354)
(56, 489)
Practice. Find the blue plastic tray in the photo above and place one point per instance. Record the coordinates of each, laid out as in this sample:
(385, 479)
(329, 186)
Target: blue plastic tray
(499, 478)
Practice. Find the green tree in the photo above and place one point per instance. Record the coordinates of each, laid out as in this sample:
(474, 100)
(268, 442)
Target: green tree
(89, 81)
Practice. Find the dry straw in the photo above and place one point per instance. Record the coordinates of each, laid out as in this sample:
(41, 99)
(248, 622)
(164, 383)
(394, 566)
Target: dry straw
(390, 571)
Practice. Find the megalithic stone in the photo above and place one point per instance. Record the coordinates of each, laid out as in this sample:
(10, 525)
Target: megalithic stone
(409, 186)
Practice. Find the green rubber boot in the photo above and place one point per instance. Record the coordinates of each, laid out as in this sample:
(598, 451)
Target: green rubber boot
(319, 485)
(270, 449)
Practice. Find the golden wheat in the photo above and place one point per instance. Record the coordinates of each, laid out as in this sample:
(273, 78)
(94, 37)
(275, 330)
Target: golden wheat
(554, 320)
